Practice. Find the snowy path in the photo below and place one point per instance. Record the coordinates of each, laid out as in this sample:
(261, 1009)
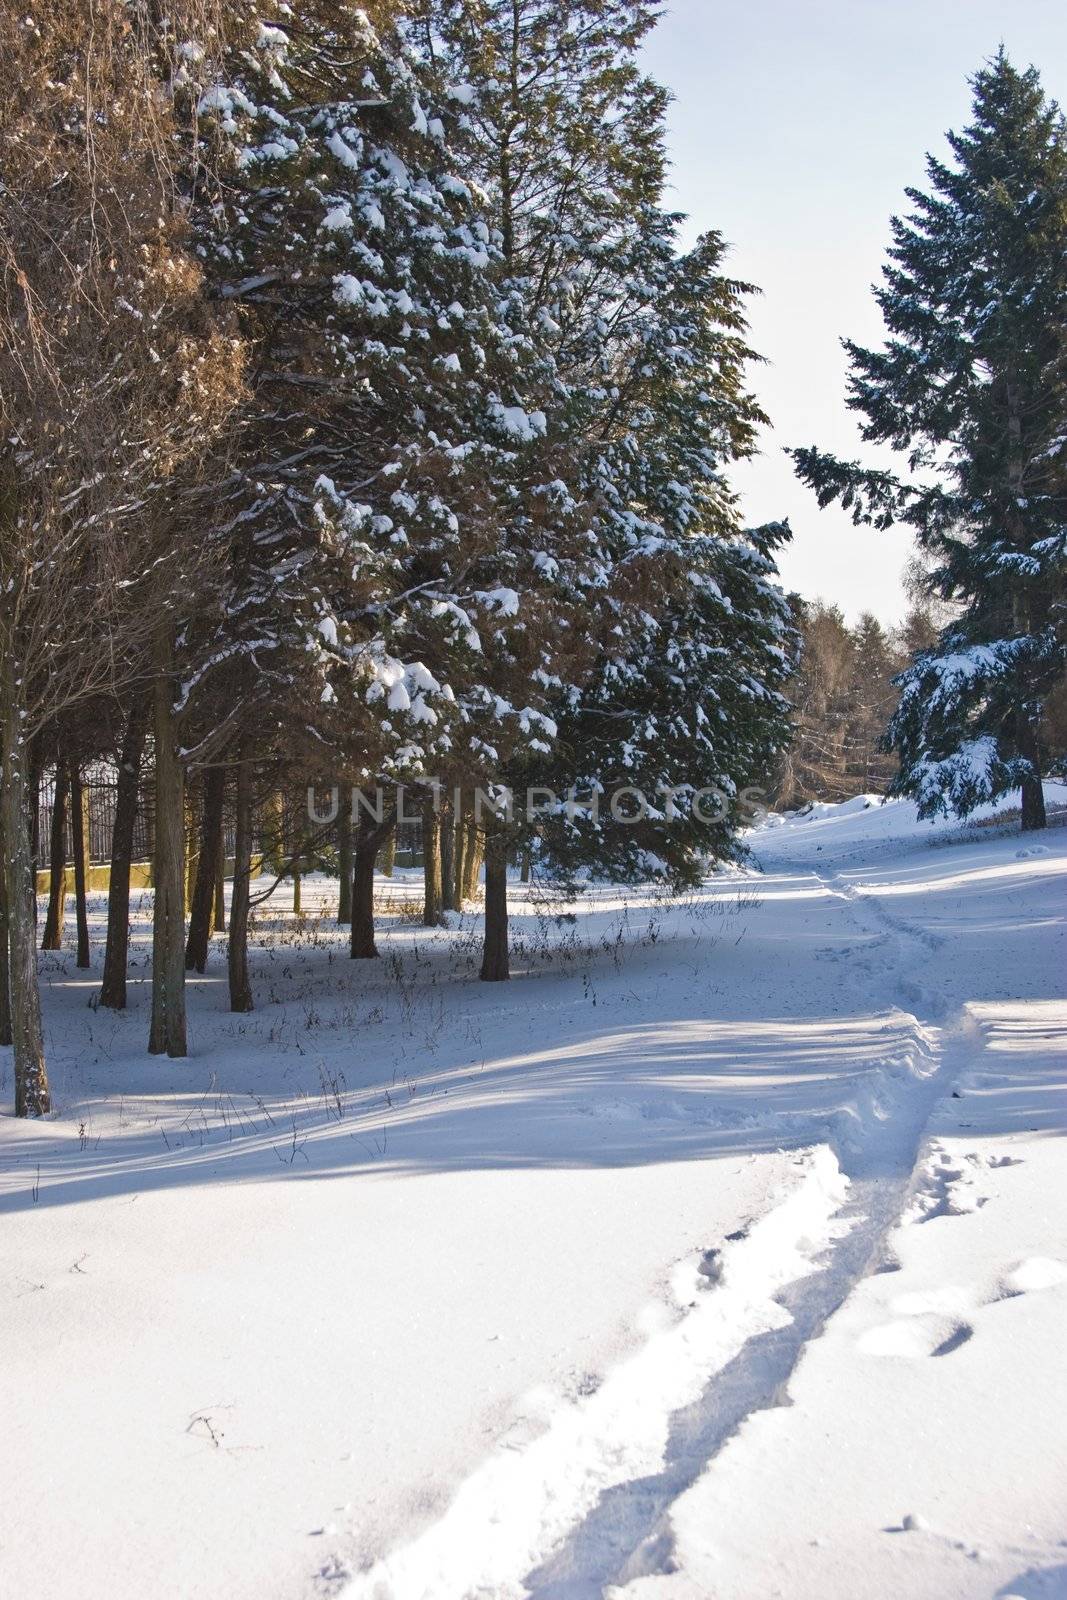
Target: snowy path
(506, 1515)
(734, 1349)
(623, 1283)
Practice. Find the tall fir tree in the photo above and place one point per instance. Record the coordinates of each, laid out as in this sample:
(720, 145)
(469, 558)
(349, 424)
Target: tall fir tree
(972, 386)
(687, 637)
(395, 493)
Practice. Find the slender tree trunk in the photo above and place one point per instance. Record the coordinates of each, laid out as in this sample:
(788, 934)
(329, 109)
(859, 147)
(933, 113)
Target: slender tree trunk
(495, 948)
(35, 823)
(344, 866)
(237, 948)
(272, 833)
(448, 858)
(298, 900)
(79, 829)
(168, 1031)
(218, 920)
(5, 980)
(361, 944)
(1026, 740)
(52, 938)
(525, 864)
(31, 1078)
(190, 844)
(472, 859)
(389, 855)
(150, 824)
(460, 855)
(431, 865)
(196, 945)
(116, 951)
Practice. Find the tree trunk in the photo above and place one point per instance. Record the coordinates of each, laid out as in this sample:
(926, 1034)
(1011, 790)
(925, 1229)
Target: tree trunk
(1033, 805)
(431, 865)
(460, 856)
(31, 1078)
(168, 1031)
(472, 859)
(272, 833)
(237, 948)
(218, 920)
(525, 865)
(5, 982)
(113, 984)
(448, 858)
(298, 901)
(344, 866)
(190, 845)
(52, 938)
(389, 855)
(196, 945)
(361, 944)
(495, 948)
(79, 828)
(1033, 795)
(35, 824)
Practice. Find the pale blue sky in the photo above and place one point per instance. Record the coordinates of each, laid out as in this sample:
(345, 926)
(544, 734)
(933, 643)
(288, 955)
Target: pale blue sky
(795, 127)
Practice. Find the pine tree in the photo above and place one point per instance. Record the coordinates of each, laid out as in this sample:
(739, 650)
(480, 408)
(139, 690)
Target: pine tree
(873, 695)
(396, 452)
(683, 634)
(972, 386)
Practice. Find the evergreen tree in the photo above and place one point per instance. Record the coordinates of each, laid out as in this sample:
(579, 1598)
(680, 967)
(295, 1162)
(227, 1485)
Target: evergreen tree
(972, 385)
(875, 662)
(397, 453)
(684, 635)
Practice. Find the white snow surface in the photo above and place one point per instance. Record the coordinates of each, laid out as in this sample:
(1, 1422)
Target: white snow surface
(722, 1253)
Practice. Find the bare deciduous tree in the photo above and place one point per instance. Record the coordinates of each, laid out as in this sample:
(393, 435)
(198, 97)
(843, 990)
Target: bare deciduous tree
(112, 375)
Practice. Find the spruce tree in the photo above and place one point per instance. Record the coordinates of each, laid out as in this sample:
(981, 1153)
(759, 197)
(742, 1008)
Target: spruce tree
(972, 387)
(684, 635)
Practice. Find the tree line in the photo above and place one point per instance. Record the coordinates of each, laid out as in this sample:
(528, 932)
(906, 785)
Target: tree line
(844, 693)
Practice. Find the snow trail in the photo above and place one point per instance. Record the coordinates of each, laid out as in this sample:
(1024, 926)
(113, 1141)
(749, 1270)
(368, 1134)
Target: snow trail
(587, 1504)
(629, 1535)
(519, 1505)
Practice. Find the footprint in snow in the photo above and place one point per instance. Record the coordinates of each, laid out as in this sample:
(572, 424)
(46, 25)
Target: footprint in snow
(1035, 1273)
(950, 1300)
(933, 1322)
(946, 1188)
(928, 1334)
(709, 1267)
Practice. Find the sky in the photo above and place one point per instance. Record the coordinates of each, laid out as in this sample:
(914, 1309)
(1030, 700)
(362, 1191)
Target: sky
(795, 128)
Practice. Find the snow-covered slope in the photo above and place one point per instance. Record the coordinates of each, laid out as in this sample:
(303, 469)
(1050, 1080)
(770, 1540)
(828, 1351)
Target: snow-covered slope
(722, 1252)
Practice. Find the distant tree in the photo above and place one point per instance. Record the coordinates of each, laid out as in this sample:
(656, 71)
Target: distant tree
(972, 385)
(814, 764)
(873, 696)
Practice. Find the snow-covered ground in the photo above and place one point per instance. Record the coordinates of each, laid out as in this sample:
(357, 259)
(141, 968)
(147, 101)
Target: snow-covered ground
(721, 1253)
